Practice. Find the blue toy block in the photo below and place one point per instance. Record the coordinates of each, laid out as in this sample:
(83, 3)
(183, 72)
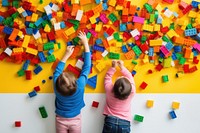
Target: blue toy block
(174, 57)
(42, 57)
(98, 48)
(97, 1)
(124, 49)
(195, 53)
(195, 4)
(105, 6)
(177, 49)
(169, 46)
(24, 14)
(133, 72)
(32, 94)
(105, 35)
(138, 8)
(62, 25)
(43, 81)
(99, 41)
(29, 31)
(105, 1)
(51, 4)
(172, 114)
(29, 13)
(35, 31)
(5, 3)
(50, 52)
(69, 43)
(37, 70)
(122, 27)
(92, 81)
(25, 66)
(151, 51)
(159, 20)
(38, 22)
(1, 19)
(191, 32)
(175, 14)
(49, 16)
(7, 30)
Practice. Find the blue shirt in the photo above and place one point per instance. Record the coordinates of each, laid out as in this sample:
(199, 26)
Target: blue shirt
(70, 106)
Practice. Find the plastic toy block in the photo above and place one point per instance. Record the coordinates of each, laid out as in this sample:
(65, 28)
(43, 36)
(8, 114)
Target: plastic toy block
(187, 52)
(8, 51)
(25, 65)
(138, 118)
(193, 69)
(50, 52)
(37, 88)
(42, 57)
(182, 61)
(122, 27)
(175, 105)
(165, 78)
(18, 124)
(172, 114)
(114, 55)
(28, 75)
(73, 70)
(51, 58)
(137, 19)
(13, 35)
(100, 66)
(165, 51)
(135, 33)
(21, 73)
(124, 49)
(95, 104)
(43, 112)
(48, 46)
(103, 18)
(150, 71)
(112, 17)
(137, 50)
(32, 94)
(92, 81)
(143, 85)
(79, 64)
(38, 69)
(31, 51)
(195, 60)
(191, 32)
(26, 41)
(85, 2)
(98, 48)
(147, 27)
(149, 103)
(159, 67)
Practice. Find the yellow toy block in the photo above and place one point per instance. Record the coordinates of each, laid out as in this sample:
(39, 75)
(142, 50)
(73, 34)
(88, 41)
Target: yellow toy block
(59, 1)
(31, 51)
(100, 66)
(147, 27)
(159, 8)
(149, 103)
(118, 44)
(26, 41)
(146, 59)
(182, 22)
(183, 27)
(118, 7)
(44, 40)
(192, 14)
(56, 47)
(93, 20)
(20, 10)
(175, 105)
(166, 22)
(171, 33)
(47, 28)
(112, 3)
(40, 8)
(18, 50)
(34, 17)
(59, 14)
(98, 27)
(156, 42)
(40, 41)
(167, 62)
(74, 1)
(156, 27)
(89, 26)
(70, 31)
(20, 34)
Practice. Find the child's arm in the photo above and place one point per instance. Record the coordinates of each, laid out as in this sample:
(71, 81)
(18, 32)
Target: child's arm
(127, 74)
(87, 59)
(108, 78)
(60, 67)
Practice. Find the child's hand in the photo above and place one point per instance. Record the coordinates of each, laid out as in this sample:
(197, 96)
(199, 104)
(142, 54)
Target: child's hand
(84, 40)
(69, 50)
(120, 63)
(114, 63)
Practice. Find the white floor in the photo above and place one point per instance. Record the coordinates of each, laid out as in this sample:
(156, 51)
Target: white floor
(156, 120)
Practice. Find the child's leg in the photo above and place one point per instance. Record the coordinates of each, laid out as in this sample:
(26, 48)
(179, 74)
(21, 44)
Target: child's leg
(110, 125)
(61, 125)
(75, 124)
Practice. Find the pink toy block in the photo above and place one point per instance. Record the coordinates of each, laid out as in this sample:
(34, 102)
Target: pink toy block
(169, 1)
(197, 47)
(164, 50)
(138, 20)
(103, 18)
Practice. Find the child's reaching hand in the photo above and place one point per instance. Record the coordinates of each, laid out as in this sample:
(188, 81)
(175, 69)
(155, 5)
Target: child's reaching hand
(120, 63)
(69, 50)
(114, 63)
(84, 40)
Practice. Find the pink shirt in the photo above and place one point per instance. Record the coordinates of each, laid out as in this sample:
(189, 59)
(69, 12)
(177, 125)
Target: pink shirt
(115, 106)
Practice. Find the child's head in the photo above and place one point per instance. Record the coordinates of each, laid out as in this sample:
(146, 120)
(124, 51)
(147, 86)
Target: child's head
(66, 84)
(122, 88)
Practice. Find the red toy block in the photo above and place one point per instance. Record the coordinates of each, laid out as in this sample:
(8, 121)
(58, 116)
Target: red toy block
(116, 23)
(159, 67)
(150, 71)
(2, 43)
(72, 69)
(143, 85)
(110, 31)
(144, 48)
(28, 75)
(187, 9)
(18, 124)
(164, 29)
(37, 88)
(193, 69)
(51, 35)
(195, 60)
(95, 104)
(186, 68)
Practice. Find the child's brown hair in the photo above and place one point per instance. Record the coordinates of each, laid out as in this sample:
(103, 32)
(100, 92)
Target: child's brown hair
(122, 88)
(66, 84)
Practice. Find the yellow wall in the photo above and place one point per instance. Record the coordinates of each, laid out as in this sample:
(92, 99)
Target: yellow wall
(11, 83)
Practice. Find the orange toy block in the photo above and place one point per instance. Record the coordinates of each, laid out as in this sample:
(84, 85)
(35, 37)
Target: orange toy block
(28, 18)
(75, 8)
(138, 26)
(129, 55)
(85, 2)
(76, 51)
(13, 35)
(55, 64)
(84, 19)
(98, 8)
(132, 9)
(187, 52)
(105, 44)
(156, 49)
(125, 11)
(40, 47)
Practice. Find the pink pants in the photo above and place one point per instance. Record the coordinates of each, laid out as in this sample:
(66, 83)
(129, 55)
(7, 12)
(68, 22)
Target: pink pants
(68, 125)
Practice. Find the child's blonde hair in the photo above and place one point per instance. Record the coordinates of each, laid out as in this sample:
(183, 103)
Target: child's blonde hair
(66, 84)
(122, 88)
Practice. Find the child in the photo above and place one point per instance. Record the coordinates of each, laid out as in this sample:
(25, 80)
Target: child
(69, 91)
(118, 100)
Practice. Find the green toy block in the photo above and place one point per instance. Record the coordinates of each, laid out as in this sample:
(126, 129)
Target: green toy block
(43, 112)
(156, 14)
(89, 35)
(189, 26)
(51, 58)
(160, 59)
(112, 17)
(137, 50)
(138, 118)
(21, 72)
(172, 26)
(143, 39)
(114, 55)
(182, 61)
(192, 20)
(148, 7)
(32, 25)
(164, 38)
(59, 45)
(41, 1)
(179, 56)
(152, 18)
(48, 46)
(15, 4)
(76, 40)
(165, 78)
(15, 15)
(134, 62)
(116, 36)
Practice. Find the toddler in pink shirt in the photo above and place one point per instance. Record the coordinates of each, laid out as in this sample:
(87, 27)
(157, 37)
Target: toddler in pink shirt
(118, 100)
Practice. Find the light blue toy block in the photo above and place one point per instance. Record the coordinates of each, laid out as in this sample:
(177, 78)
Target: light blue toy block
(191, 32)
(122, 27)
(169, 46)
(151, 51)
